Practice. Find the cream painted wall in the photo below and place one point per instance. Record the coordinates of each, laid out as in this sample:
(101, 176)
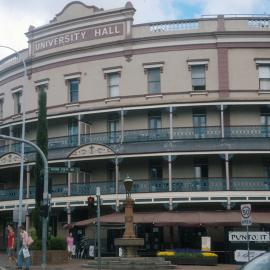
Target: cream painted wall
(136, 120)
(58, 127)
(242, 68)
(136, 168)
(183, 167)
(247, 166)
(244, 115)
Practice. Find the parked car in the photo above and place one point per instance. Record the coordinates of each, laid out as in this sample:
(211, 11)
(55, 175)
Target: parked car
(261, 262)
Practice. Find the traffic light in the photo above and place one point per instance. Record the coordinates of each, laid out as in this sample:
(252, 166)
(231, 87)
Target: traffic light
(91, 201)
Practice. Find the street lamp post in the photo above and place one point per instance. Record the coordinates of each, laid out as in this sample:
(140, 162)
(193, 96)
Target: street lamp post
(22, 137)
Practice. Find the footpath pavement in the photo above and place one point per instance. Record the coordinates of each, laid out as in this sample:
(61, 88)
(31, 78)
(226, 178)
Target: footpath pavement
(76, 264)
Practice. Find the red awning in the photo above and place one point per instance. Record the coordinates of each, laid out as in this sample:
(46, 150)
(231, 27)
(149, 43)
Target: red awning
(181, 218)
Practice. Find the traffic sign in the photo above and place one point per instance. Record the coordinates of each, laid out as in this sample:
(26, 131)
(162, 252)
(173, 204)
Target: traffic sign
(61, 170)
(246, 215)
(16, 214)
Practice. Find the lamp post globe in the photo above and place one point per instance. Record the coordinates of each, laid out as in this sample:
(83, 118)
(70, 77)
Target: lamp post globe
(128, 182)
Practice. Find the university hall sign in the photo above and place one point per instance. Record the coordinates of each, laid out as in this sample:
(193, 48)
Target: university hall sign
(78, 36)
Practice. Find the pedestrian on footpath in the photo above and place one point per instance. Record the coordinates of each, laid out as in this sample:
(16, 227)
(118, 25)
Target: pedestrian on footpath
(11, 245)
(70, 244)
(24, 254)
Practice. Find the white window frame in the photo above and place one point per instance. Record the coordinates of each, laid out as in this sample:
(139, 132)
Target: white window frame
(195, 63)
(111, 87)
(68, 78)
(151, 66)
(107, 73)
(17, 98)
(264, 77)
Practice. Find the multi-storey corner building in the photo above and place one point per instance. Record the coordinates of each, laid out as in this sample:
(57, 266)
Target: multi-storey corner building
(182, 107)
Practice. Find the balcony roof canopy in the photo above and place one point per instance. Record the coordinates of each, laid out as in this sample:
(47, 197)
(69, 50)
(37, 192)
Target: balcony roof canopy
(181, 218)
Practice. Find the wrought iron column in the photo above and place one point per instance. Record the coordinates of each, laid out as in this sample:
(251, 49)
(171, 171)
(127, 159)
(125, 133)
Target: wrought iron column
(170, 172)
(116, 182)
(227, 179)
(79, 130)
(69, 193)
(222, 120)
(171, 122)
(122, 125)
(170, 180)
(10, 134)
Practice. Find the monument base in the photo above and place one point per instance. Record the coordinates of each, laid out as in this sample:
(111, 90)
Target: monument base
(137, 263)
(130, 246)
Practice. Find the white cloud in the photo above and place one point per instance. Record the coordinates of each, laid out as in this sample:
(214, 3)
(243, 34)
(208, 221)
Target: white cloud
(17, 15)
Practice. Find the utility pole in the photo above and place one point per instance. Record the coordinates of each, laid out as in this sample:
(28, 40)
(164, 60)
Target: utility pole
(98, 227)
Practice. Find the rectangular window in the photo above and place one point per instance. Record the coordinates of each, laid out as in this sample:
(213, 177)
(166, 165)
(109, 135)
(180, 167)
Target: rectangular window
(198, 77)
(264, 77)
(17, 102)
(201, 174)
(73, 90)
(113, 80)
(154, 120)
(199, 123)
(113, 128)
(73, 131)
(153, 80)
(156, 170)
(265, 122)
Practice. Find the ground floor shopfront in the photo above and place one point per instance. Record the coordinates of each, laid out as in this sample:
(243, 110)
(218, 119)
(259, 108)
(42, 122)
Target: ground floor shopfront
(181, 231)
(161, 229)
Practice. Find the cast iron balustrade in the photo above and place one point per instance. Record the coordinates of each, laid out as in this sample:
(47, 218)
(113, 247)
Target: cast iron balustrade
(199, 184)
(150, 186)
(243, 183)
(174, 26)
(148, 135)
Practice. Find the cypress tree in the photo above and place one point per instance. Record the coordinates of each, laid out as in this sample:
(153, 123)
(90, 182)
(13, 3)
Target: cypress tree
(42, 142)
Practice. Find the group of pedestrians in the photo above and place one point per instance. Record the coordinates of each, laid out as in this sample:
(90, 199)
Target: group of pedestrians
(23, 254)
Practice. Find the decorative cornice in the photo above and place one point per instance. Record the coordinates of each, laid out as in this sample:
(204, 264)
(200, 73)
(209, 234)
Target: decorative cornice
(9, 159)
(91, 150)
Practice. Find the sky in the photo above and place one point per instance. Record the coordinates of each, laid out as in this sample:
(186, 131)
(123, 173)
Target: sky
(17, 15)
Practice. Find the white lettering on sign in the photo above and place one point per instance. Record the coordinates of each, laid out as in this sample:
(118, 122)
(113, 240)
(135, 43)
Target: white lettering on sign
(79, 36)
(252, 236)
(242, 255)
(109, 30)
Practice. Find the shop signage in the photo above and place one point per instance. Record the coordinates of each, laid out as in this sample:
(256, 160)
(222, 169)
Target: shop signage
(246, 215)
(79, 36)
(251, 236)
(242, 255)
(206, 243)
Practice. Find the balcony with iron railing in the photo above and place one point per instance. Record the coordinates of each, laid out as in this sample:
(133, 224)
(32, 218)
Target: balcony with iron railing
(207, 23)
(150, 135)
(212, 184)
